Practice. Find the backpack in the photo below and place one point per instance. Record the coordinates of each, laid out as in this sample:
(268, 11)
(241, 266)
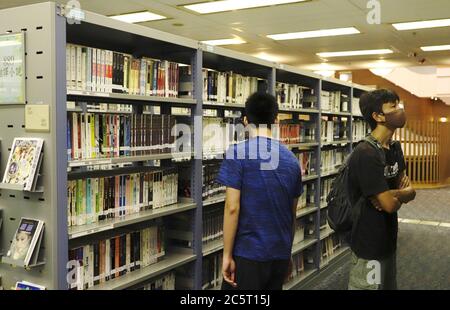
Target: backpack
(341, 213)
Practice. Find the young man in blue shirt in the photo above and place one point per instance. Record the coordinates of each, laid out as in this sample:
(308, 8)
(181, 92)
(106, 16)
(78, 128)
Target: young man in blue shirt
(263, 184)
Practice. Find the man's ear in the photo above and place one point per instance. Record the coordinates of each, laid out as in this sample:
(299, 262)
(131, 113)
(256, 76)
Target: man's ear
(378, 118)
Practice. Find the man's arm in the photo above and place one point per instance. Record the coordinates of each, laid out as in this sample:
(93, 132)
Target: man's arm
(230, 224)
(392, 200)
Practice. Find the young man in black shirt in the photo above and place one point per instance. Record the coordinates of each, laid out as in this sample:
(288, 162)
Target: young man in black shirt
(380, 185)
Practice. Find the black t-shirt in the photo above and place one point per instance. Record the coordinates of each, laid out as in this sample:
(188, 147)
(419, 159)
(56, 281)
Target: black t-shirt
(375, 234)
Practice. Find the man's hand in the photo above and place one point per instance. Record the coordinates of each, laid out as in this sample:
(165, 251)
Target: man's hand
(404, 182)
(229, 270)
(289, 272)
(376, 204)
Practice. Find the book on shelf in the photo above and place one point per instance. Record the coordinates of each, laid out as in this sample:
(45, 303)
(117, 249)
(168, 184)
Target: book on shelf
(25, 246)
(92, 200)
(323, 219)
(294, 97)
(303, 201)
(332, 159)
(229, 87)
(325, 188)
(97, 135)
(333, 129)
(219, 133)
(298, 266)
(103, 260)
(291, 132)
(299, 232)
(98, 70)
(28, 286)
(24, 162)
(212, 224)
(164, 282)
(212, 271)
(356, 110)
(334, 101)
(307, 161)
(360, 130)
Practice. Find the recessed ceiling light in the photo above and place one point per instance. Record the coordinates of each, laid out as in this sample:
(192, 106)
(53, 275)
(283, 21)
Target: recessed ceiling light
(231, 5)
(315, 33)
(435, 48)
(355, 53)
(225, 42)
(139, 17)
(422, 24)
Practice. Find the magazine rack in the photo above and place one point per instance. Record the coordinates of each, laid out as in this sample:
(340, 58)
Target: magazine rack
(20, 188)
(18, 263)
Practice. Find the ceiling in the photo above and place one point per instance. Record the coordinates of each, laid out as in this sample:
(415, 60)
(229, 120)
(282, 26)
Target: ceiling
(253, 25)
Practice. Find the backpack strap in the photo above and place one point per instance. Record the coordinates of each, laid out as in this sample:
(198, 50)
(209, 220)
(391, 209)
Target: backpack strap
(376, 145)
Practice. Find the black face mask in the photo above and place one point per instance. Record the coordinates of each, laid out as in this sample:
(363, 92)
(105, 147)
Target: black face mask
(395, 119)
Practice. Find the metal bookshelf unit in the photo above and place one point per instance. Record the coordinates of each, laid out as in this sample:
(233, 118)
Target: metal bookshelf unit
(47, 33)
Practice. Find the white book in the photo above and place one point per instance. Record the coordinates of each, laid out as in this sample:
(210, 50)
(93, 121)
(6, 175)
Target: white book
(22, 167)
(23, 246)
(99, 70)
(79, 59)
(68, 67)
(94, 70)
(89, 69)
(83, 68)
(73, 66)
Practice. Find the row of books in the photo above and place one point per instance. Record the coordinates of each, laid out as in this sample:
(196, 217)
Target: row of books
(212, 224)
(228, 87)
(299, 231)
(298, 266)
(210, 186)
(329, 246)
(95, 135)
(334, 101)
(307, 161)
(99, 70)
(104, 260)
(308, 196)
(331, 160)
(219, 133)
(356, 109)
(95, 199)
(325, 188)
(333, 130)
(291, 133)
(323, 219)
(360, 130)
(290, 96)
(165, 282)
(212, 271)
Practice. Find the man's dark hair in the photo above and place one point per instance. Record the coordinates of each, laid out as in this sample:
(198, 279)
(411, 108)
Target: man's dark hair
(261, 109)
(373, 102)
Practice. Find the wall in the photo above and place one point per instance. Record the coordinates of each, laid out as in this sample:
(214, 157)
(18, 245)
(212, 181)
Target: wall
(416, 108)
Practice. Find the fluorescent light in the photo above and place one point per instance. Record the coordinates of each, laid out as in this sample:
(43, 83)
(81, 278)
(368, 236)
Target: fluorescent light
(138, 17)
(381, 71)
(315, 34)
(435, 48)
(231, 5)
(355, 53)
(422, 24)
(225, 41)
(326, 73)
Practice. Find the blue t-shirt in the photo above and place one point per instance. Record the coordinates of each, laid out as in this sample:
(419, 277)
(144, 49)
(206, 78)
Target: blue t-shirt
(269, 178)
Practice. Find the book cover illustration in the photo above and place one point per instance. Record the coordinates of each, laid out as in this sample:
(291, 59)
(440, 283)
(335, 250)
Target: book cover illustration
(25, 239)
(23, 162)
